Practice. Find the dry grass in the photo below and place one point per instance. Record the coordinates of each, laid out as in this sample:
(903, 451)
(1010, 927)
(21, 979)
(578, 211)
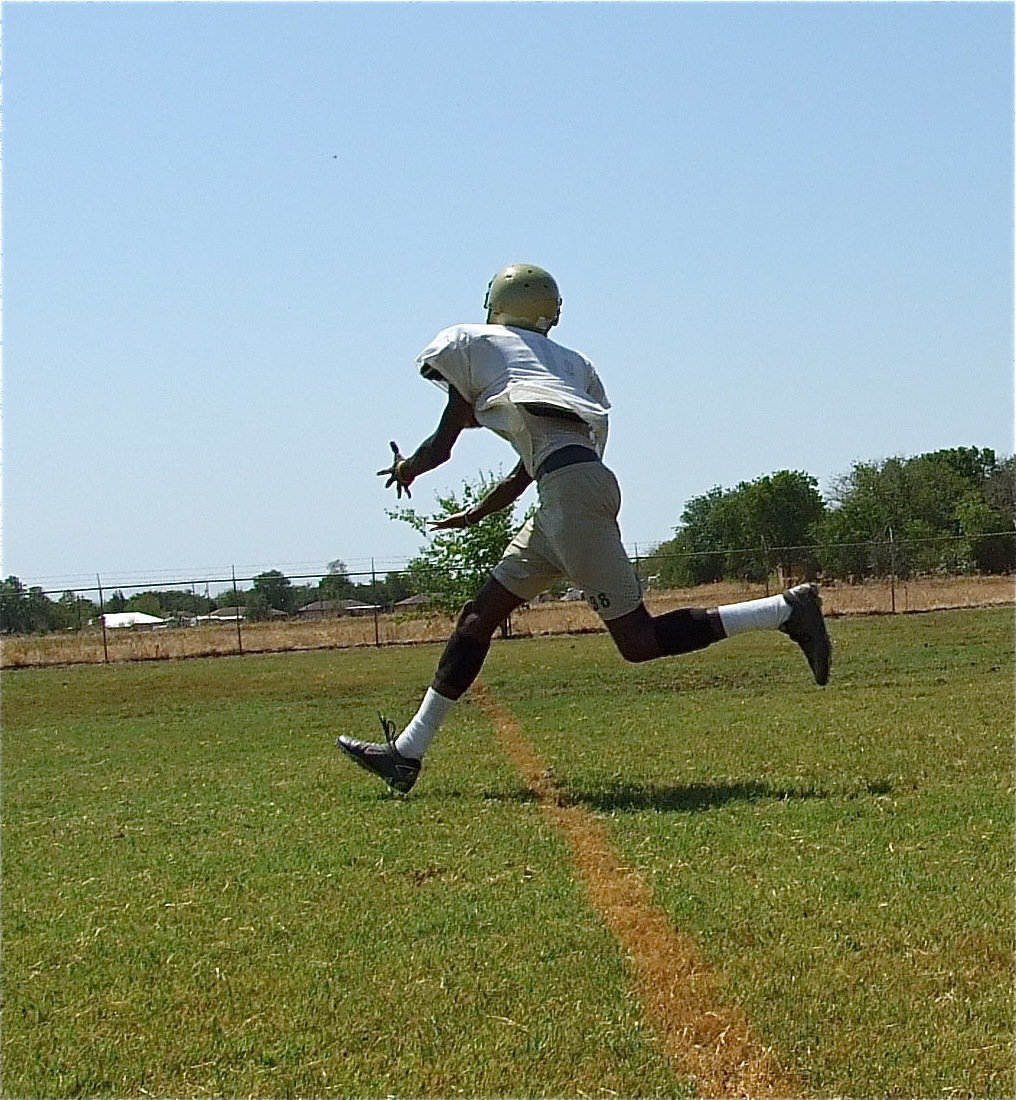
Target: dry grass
(923, 594)
(706, 1038)
(874, 597)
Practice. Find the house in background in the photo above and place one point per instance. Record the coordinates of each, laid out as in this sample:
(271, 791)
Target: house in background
(120, 619)
(414, 603)
(330, 609)
(227, 614)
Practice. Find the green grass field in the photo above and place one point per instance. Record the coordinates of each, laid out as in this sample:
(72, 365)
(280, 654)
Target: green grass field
(201, 898)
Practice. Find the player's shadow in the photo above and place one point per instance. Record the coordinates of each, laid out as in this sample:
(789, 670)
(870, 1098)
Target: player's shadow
(619, 797)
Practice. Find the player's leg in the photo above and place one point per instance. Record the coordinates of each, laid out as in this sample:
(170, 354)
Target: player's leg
(580, 504)
(797, 612)
(399, 759)
(640, 636)
(460, 664)
(522, 573)
(467, 648)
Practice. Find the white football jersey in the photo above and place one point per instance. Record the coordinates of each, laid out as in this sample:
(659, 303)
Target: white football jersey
(500, 369)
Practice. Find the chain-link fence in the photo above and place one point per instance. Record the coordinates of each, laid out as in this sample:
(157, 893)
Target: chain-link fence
(219, 613)
(889, 558)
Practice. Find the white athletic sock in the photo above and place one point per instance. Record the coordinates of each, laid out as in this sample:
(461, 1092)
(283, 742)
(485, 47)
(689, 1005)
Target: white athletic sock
(764, 614)
(415, 739)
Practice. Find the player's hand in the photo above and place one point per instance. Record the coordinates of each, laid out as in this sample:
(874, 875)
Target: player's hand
(400, 481)
(453, 522)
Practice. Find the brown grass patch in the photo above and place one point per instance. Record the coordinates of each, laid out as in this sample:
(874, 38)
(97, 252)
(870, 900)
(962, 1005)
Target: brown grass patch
(85, 646)
(705, 1038)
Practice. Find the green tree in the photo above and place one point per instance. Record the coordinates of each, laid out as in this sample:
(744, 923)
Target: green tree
(336, 585)
(170, 601)
(14, 616)
(148, 603)
(27, 611)
(232, 597)
(395, 587)
(114, 603)
(987, 550)
(304, 594)
(744, 532)
(708, 528)
(454, 564)
(974, 465)
(276, 588)
(667, 565)
(934, 505)
(697, 553)
(43, 614)
(778, 512)
(1000, 492)
(258, 606)
(75, 611)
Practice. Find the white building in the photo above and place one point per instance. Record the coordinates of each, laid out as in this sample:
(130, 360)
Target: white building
(120, 619)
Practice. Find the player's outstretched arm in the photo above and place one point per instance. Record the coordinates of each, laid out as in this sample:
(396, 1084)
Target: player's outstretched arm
(505, 492)
(433, 451)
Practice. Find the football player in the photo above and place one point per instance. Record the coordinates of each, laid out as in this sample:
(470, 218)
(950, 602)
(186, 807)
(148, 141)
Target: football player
(548, 402)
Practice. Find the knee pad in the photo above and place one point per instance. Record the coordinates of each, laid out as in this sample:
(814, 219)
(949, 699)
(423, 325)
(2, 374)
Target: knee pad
(460, 664)
(684, 630)
(467, 610)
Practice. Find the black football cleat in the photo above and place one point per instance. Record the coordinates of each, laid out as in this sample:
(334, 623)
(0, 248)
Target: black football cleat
(806, 626)
(398, 771)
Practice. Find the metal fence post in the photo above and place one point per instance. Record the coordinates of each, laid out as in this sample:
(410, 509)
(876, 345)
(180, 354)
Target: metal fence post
(236, 608)
(892, 572)
(373, 589)
(102, 619)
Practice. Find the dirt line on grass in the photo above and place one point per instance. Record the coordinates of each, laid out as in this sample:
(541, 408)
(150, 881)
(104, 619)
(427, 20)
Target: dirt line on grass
(705, 1039)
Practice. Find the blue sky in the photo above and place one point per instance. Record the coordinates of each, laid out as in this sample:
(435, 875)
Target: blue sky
(783, 232)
